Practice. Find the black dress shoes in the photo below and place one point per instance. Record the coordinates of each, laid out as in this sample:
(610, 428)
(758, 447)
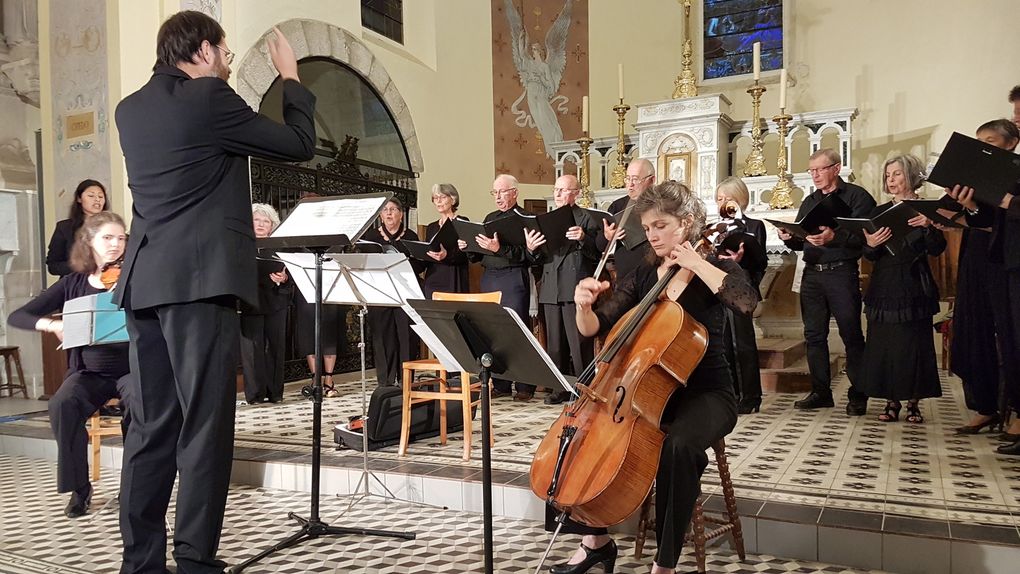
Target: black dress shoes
(556, 397)
(606, 555)
(815, 401)
(1010, 449)
(857, 408)
(1008, 437)
(78, 505)
(749, 405)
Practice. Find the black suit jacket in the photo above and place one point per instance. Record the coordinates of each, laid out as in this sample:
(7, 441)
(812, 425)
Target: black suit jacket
(58, 254)
(271, 297)
(626, 260)
(186, 144)
(564, 270)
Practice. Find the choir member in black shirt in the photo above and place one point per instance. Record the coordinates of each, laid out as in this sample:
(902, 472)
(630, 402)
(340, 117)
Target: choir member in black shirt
(831, 285)
(89, 199)
(699, 413)
(640, 176)
(449, 272)
(746, 370)
(393, 341)
(96, 373)
(899, 361)
(264, 327)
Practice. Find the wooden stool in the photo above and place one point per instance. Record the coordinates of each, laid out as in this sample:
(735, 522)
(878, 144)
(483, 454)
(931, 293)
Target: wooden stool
(731, 524)
(98, 427)
(11, 354)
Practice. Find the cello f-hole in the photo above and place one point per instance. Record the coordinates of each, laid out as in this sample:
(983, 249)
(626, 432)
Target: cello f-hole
(621, 391)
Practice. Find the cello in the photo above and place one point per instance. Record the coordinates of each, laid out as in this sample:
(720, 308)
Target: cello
(598, 461)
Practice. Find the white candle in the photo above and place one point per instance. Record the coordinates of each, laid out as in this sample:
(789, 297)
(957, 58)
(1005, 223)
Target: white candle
(782, 89)
(619, 79)
(584, 114)
(757, 60)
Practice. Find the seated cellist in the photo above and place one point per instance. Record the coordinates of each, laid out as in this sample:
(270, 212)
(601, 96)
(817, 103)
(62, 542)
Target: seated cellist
(699, 413)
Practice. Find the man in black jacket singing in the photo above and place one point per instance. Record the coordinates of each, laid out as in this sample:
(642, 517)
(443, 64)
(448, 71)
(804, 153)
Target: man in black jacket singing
(186, 137)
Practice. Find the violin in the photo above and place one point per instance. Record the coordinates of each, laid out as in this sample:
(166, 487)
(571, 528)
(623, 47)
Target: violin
(598, 460)
(109, 273)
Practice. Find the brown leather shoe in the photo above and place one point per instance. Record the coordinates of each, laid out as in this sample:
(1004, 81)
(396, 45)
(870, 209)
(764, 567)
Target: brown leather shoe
(524, 397)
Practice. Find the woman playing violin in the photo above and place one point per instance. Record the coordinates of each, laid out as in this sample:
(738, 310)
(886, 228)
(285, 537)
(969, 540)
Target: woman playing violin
(703, 411)
(97, 373)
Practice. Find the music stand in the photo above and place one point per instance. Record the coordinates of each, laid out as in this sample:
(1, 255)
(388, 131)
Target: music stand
(318, 243)
(493, 340)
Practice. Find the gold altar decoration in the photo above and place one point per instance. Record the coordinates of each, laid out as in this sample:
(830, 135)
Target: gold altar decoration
(686, 84)
(755, 164)
(618, 179)
(586, 200)
(782, 193)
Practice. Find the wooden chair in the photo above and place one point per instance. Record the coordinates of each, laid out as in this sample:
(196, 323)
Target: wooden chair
(413, 393)
(730, 524)
(98, 427)
(947, 338)
(11, 354)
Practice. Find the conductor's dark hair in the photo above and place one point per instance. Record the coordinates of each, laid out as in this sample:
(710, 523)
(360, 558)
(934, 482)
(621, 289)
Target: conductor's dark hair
(1014, 94)
(181, 36)
(77, 213)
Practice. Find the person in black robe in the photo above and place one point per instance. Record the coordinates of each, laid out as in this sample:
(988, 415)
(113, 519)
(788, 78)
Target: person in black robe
(449, 272)
(89, 199)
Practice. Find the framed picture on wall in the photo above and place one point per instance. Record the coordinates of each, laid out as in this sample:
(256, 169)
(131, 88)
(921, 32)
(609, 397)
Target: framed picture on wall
(677, 167)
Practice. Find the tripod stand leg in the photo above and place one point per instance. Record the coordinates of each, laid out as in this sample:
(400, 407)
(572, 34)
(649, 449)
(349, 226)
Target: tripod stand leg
(299, 536)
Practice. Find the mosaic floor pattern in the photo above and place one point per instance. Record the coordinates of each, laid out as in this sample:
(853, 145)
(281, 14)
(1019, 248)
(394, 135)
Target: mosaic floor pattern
(35, 537)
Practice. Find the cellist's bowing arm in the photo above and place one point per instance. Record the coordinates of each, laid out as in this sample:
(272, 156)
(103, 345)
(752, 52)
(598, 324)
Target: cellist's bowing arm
(585, 294)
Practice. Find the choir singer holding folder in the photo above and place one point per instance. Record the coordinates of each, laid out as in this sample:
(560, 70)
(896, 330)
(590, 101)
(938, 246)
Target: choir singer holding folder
(506, 269)
(831, 285)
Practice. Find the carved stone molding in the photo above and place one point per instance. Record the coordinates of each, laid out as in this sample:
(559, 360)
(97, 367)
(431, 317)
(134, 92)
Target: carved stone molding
(314, 38)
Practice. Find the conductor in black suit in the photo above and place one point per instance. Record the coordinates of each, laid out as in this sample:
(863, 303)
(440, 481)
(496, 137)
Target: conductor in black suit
(561, 272)
(186, 137)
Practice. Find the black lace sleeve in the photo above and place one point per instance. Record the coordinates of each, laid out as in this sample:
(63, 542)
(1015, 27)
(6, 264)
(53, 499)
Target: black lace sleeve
(736, 291)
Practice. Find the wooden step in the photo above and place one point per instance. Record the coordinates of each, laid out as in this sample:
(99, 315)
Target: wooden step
(793, 379)
(779, 353)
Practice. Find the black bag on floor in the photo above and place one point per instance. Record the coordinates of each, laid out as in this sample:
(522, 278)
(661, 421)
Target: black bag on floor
(384, 421)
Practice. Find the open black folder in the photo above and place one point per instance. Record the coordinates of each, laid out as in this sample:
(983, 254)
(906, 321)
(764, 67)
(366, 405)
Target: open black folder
(896, 218)
(937, 211)
(990, 170)
(445, 238)
(634, 233)
(510, 228)
(824, 214)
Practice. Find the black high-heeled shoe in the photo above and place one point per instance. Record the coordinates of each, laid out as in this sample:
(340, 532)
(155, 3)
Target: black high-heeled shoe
(606, 555)
(749, 405)
(975, 429)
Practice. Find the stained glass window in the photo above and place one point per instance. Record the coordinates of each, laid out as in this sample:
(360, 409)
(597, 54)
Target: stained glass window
(731, 29)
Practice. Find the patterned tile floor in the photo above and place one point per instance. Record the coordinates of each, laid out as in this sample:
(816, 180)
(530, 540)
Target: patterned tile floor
(818, 458)
(35, 537)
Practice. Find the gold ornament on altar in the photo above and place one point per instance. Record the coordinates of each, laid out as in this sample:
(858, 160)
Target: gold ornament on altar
(686, 84)
(618, 179)
(755, 164)
(586, 200)
(782, 193)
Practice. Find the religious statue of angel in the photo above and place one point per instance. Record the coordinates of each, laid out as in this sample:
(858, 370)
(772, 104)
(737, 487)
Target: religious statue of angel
(540, 77)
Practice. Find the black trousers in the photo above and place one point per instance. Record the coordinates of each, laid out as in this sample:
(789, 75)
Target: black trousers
(513, 283)
(823, 295)
(183, 357)
(262, 355)
(744, 356)
(696, 419)
(565, 345)
(80, 395)
(1010, 342)
(393, 342)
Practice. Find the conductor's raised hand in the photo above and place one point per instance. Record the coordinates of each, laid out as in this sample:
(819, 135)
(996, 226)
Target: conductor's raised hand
(487, 243)
(587, 291)
(533, 239)
(880, 236)
(824, 235)
(282, 55)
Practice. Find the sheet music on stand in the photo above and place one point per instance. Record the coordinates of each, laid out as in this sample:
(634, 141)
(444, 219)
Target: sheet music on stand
(350, 215)
(375, 279)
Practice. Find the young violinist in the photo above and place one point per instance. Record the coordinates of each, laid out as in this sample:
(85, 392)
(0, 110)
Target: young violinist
(97, 373)
(698, 414)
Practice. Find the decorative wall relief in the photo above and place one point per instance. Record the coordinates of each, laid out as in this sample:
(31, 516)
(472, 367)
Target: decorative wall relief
(213, 8)
(539, 75)
(78, 42)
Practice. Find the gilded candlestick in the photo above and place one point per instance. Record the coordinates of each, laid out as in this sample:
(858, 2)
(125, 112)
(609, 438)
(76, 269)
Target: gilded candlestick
(756, 159)
(586, 199)
(782, 193)
(686, 84)
(618, 178)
